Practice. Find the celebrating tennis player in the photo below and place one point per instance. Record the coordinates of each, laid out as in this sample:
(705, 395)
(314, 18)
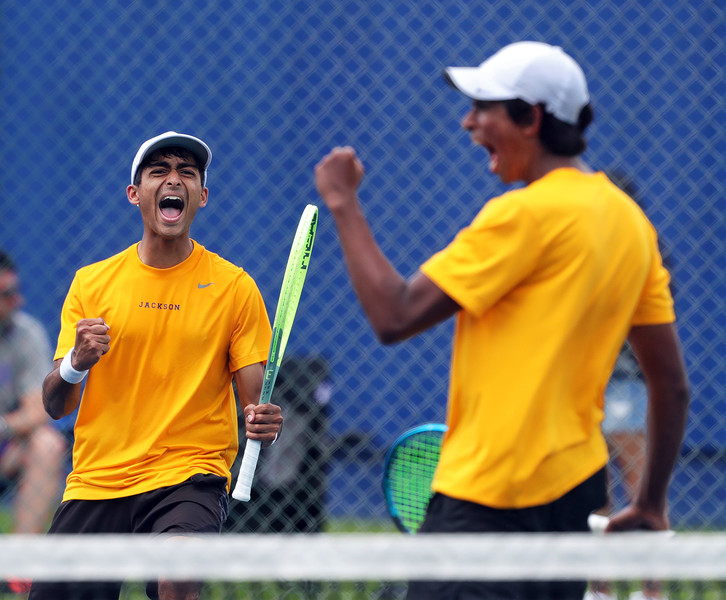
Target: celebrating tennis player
(546, 284)
(158, 333)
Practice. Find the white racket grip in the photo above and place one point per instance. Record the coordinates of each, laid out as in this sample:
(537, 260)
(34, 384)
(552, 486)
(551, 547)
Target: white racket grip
(597, 523)
(243, 487)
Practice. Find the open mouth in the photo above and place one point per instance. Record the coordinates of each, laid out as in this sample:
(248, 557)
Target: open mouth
(171, 207)
(493, 158)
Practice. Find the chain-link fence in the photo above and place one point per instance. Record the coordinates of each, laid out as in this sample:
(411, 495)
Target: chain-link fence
(272, 86)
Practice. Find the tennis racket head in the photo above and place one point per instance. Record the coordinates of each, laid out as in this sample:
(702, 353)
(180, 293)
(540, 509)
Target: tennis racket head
(292, 283)
(295, 273)
(408, 469)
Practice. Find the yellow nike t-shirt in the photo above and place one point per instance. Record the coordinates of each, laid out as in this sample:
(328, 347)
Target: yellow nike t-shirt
(159, 406)
(550, 277)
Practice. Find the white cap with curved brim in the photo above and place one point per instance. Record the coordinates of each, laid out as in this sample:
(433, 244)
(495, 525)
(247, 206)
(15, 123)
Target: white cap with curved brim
(171, 138)
(531, 71)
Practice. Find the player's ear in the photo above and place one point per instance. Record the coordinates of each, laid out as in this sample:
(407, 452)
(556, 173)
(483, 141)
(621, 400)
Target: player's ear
(132, 194)
(204, 198)
(535, 122)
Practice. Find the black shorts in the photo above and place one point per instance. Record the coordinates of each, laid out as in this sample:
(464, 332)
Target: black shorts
(566, 514)
(197, 505)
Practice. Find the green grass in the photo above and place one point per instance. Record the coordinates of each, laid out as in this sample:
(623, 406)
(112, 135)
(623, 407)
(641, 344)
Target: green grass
(678, 590)
(6, 520)
(286, 591)
(360, 526)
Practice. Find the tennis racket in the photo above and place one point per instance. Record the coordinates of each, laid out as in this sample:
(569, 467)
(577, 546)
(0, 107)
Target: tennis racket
(292, 284)
(407, 473)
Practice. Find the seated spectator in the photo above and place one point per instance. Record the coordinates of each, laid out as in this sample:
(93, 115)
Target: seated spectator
(32, 450)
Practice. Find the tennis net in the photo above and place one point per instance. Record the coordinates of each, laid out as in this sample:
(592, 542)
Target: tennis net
(691, 565)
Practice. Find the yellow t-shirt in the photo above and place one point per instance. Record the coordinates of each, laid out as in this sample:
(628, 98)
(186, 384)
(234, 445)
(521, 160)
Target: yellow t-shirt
(550, 278)
(159, 406)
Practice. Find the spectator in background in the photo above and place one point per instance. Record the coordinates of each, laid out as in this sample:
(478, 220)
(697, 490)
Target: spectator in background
(32, 450)
(626, 399)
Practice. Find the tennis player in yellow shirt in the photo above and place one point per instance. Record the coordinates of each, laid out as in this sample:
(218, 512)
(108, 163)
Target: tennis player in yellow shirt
(546, 283)
(158, 333)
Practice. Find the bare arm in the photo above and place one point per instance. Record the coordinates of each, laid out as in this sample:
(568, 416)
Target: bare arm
(659, 354)
(396, 308)
(263, 422)
(60, 398)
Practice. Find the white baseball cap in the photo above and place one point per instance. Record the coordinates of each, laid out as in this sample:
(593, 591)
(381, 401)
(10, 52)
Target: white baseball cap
(531, 71)
(171, 138)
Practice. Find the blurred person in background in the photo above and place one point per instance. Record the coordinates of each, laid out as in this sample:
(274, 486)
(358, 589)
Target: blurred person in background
(626, 397)
(624, 426)
(546, 283)
(32, 450)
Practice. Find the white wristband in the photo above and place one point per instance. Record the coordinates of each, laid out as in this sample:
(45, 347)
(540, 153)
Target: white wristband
(68, 373)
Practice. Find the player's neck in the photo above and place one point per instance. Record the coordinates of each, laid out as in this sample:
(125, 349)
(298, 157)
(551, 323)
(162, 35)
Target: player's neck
(164, 253)
(549, 162)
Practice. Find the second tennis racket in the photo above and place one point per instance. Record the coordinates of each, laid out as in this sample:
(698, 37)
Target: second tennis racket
(407, 473)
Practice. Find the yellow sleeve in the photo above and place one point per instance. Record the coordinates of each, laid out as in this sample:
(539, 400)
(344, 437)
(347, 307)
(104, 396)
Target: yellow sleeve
(252, 333)
(488, 258)
(656, 303)
(71, 313)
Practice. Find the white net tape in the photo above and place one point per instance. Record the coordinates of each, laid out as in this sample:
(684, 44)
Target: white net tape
(366, 557)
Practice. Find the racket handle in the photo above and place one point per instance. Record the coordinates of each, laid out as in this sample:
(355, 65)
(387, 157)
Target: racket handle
(243, 487)
(597, 523)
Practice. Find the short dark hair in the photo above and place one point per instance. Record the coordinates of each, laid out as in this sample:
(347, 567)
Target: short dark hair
(6, 263)
(560, 138)
(176, 152)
